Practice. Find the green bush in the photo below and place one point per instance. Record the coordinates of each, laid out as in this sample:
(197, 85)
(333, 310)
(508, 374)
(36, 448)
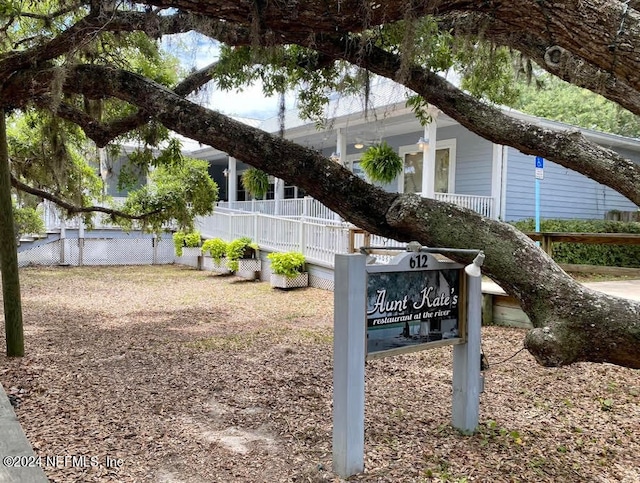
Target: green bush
(587, 254)
(239, 248)
(216, 247)
(26, 220)
(182, 239)
(289, 264)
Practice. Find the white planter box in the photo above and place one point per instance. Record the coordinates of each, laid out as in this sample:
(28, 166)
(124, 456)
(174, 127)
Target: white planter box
(280, 281)
(249, 265)
(219, 267)
(191, 252)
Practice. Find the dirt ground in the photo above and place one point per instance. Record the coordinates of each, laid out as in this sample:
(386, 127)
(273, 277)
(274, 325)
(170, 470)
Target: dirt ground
(181, 376)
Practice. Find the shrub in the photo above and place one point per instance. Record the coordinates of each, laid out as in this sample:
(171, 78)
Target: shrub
(216, 247)
(289, 264)
(239, 248)
(588, 254)
(182, 239)
(27, 220)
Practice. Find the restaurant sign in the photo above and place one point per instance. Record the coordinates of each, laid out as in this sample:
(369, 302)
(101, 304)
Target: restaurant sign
(414, 303)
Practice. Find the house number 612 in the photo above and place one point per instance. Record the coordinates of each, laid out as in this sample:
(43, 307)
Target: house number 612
(419, 261)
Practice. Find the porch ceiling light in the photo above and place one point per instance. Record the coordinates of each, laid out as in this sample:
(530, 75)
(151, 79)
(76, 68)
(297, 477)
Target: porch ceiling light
(358, 145)
(422, 143)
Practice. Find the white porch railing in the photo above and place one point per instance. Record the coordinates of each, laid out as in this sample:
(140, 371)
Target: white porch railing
(312, 208)
(54, 219)
(303, 225)
(479, 204)
(318, 240)
(295, 207)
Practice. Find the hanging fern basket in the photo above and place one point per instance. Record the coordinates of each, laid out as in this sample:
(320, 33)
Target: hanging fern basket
(381, 163)
(255, 182)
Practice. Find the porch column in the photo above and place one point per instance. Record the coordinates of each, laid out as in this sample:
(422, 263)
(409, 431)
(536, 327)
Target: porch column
(497, 167)
(232, 180)
(341, 145)
(278, 194)
(429, 159)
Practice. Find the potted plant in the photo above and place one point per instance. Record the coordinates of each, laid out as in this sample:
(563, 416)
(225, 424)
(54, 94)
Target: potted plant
(242, 255)
(216, 248)
(381, 163)
(255, 182)
(187, 244)
(288, 270)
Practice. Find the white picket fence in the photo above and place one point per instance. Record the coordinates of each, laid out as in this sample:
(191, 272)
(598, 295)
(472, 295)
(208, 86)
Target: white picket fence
(296, 207)
(303, 224)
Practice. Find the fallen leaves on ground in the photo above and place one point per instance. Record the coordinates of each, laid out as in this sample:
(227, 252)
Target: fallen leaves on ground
(172, 375)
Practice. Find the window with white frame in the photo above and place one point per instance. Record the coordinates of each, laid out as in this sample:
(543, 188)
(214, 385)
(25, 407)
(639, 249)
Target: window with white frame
(412, 176)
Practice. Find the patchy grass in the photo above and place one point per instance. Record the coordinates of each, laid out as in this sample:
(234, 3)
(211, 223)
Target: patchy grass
(189, 376)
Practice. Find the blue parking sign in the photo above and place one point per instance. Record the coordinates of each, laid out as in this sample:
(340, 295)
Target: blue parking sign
(539, 162)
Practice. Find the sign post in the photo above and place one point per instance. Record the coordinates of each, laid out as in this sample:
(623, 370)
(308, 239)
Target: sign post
(417, 301)
(539, 176)
(348, 364)
(467, 379)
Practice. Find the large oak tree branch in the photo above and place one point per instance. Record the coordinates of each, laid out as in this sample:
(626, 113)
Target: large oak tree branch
(104, 132)
(71, 208)
(552, 58)
(573, 323)
(603, 32)
(569, 149)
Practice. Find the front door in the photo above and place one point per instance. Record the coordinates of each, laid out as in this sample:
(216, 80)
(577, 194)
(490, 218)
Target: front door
(413, 173)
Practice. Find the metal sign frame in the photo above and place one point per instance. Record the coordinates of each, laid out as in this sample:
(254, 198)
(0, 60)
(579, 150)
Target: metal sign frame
(408, 302)
(349, 350)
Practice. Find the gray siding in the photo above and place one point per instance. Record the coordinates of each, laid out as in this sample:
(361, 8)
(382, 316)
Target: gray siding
(563, 193)
(474, 157)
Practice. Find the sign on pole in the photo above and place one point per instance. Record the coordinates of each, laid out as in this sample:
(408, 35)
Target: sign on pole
(415, 302)
(539, 176)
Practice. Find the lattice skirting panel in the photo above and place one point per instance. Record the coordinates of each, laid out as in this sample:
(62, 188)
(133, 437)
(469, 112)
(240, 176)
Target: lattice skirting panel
(48, 254)
(320, 282)
(100, 251)
(139, 251)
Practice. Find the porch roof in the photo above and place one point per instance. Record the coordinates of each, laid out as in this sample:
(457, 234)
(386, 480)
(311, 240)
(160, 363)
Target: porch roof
(386, 115)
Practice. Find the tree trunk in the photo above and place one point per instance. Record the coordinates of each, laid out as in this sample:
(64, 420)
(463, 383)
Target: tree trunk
(572, 323)
(9, 254)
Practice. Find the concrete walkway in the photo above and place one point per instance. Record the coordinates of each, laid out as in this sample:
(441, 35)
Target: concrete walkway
(18, 463)
(629, 289)
(500, 309)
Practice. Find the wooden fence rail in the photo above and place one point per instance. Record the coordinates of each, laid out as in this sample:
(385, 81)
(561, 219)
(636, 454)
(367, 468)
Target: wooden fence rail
(547, 239)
